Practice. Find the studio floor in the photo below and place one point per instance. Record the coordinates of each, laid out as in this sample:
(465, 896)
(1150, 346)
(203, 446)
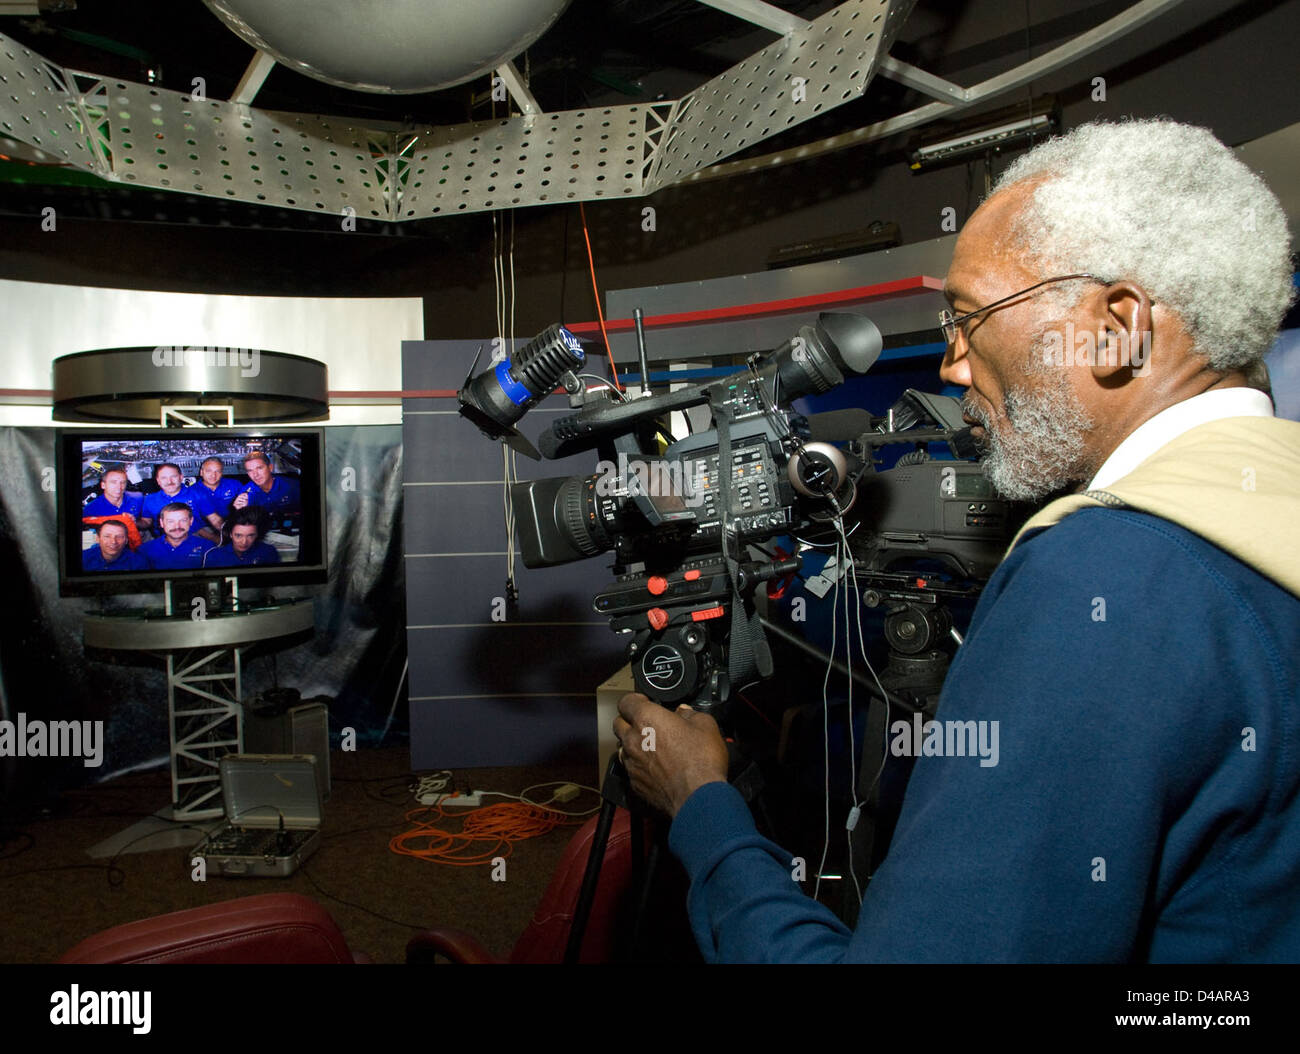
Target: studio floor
(53, 894)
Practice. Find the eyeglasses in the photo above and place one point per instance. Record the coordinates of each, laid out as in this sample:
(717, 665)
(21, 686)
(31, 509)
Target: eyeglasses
(948, 322)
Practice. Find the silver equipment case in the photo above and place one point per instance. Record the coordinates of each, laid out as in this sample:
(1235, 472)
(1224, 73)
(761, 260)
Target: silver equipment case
(273, 809)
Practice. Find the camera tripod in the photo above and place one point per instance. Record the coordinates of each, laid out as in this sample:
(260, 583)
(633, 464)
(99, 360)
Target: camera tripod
(616, 793)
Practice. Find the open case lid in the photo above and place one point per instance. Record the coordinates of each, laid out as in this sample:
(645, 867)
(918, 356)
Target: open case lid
(258, 788)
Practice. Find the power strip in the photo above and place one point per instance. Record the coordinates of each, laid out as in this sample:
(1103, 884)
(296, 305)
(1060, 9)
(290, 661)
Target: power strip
(461, 800)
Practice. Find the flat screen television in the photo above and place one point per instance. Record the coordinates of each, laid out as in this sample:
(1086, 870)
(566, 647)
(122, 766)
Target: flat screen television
(139, 507)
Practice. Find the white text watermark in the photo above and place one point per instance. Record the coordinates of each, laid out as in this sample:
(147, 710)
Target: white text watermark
(920, 738)
(247, 360)
(53, 739)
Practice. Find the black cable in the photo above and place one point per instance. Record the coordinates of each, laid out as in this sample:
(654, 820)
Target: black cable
(112, 863)
(116, 876)
(250, 808)
(767, 552)
(373, 797)
(352, 904)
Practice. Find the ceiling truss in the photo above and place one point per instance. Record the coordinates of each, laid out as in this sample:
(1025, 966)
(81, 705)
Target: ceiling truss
(149, 136)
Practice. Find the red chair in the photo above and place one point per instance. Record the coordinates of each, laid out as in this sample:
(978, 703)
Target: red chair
(290, 928)
(270, 928)
(547, 935)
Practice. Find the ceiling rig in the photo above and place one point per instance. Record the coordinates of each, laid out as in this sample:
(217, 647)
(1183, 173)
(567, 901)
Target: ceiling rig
(152, 137)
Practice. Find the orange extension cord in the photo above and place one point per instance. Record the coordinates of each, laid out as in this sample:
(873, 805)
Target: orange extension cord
(486, 832)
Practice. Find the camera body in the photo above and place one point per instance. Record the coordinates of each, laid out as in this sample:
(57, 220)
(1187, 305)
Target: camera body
(677, 526)
(656, 508)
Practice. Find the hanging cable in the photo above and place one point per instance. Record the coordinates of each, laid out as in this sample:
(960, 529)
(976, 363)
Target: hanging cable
(884, 698)
(850, 597)
(826, 727)
(503, 285)
(595, 289)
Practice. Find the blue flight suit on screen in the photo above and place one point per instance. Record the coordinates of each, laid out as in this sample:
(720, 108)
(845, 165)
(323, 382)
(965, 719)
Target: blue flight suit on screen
(163, 556)
(92, 559)
(101, 506)
(219, 499)
(260, 554)
(200, 505)
(285, 495)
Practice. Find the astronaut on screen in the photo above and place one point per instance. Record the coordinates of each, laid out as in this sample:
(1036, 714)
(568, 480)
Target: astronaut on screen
(277, 494)
(245, 548)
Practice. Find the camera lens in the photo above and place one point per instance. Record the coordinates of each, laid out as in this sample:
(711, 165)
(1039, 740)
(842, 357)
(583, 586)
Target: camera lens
(577, 515)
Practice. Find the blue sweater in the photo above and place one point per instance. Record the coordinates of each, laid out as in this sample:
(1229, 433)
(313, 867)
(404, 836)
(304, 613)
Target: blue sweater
(1145, 804)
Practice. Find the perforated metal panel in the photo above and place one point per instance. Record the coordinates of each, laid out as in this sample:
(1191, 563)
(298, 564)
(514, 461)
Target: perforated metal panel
(577, 155)
(39, 106)
(162, 138)
(788, 82)
(153, 137)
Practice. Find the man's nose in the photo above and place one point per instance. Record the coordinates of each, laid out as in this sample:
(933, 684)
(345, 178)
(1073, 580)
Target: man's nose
(956, 366)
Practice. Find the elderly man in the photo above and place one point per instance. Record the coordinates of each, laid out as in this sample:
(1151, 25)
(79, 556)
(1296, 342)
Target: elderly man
(1136, 650)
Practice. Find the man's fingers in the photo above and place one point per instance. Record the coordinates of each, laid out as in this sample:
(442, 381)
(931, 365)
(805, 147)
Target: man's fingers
(695, 717)
(620, 727)
(633, 704)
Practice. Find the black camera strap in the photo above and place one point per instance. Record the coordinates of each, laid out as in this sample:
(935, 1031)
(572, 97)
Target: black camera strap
(749, 656)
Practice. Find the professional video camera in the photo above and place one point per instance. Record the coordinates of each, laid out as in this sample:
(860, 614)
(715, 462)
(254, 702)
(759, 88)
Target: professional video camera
(683, 532)
(676, 523)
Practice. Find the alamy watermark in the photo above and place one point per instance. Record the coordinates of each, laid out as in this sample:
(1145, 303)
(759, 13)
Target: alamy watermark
(53, 739)
(1083, 347)
(247, 360)
(658, 479)
(93, 1007)
(920, 738)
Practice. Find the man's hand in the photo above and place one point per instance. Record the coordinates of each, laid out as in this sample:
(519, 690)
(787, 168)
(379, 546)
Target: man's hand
(668, 755)
(241, 499)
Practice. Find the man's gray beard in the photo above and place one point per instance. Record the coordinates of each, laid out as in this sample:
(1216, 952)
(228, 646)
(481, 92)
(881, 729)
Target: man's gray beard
(1041, 447)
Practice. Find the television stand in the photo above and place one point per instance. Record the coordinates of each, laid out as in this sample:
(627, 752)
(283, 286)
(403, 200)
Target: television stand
(203, 658)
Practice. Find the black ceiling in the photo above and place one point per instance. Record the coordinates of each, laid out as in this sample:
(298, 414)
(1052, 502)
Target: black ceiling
(600, 52)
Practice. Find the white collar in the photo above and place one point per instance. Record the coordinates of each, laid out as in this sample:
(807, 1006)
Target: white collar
(1173, 421)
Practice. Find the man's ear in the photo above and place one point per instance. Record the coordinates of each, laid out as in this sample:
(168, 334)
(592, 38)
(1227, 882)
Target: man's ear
(1124, 331)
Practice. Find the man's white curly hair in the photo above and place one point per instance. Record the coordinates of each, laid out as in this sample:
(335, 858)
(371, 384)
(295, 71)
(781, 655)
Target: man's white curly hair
(1169, 207)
